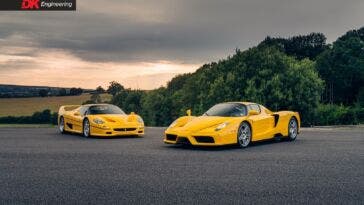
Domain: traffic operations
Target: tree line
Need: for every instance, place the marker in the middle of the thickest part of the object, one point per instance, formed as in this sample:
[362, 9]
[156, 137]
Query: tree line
[19, 91]
[324, 82]
[61, 92]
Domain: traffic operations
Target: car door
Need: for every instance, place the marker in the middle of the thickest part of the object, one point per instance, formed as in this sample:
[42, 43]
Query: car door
[262, 123]
[78, 117]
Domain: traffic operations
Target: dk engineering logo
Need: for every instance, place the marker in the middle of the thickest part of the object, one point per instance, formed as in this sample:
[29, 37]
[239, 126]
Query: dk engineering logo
[30, 4]
[36, 5]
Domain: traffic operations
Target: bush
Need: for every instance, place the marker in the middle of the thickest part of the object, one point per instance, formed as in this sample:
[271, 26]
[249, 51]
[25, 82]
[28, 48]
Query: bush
[330, 114]
[44, 117]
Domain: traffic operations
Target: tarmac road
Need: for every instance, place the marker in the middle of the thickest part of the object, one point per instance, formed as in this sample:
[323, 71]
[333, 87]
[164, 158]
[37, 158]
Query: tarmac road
[40, 166]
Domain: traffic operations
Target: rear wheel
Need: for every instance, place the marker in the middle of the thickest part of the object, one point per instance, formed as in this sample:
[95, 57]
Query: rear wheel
[86, 128]
[292, 129]
[244, 135]
[61, 125]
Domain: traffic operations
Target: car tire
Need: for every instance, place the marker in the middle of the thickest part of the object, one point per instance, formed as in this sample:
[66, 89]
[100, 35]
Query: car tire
[61, 125]
[292, 129]
[86, 128]
[244, 135]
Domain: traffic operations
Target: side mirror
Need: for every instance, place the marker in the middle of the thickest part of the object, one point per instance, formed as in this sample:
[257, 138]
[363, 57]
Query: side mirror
[252, 112]
[132, 113]
[77, 114]
[189, 112]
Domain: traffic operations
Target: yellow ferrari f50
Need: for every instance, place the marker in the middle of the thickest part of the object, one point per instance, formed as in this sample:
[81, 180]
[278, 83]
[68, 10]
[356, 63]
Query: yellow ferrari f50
[233, 123]
[102, 120]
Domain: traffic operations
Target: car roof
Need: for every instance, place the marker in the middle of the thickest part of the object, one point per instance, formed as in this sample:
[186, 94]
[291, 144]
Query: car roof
[89, 105]
[244, 103]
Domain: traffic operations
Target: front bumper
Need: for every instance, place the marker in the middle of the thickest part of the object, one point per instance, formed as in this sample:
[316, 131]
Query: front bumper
[208, 139]
[113, 132]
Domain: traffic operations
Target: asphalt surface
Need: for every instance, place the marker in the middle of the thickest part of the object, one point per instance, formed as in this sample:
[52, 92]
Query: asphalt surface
[40, 166]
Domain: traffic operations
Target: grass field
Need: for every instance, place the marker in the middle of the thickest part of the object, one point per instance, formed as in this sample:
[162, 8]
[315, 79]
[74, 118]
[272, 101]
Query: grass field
[27, 106]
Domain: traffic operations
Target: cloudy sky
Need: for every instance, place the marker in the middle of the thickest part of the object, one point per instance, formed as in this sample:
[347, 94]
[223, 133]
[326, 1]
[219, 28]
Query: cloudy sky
[144, 43]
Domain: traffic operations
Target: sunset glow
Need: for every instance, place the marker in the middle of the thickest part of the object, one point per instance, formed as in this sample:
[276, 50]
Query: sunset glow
[61, 69]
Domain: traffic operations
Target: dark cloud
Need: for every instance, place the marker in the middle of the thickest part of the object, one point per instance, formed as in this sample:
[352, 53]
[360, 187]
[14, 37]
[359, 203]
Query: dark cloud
[193, 31]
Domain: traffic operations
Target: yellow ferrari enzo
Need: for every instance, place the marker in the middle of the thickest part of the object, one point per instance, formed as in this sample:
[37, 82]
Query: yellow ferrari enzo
[233, 123]
[99, 120]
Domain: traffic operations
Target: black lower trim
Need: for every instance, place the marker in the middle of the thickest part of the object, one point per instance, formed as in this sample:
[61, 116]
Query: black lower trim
[124, 129]
[183, 140]
[70, 125]
[204, 139]
[171, 137]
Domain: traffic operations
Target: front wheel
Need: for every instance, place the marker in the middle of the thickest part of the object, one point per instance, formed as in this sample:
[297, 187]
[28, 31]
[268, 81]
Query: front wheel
[244, 135]
[61, 125]
[292, 129]
[86, 128]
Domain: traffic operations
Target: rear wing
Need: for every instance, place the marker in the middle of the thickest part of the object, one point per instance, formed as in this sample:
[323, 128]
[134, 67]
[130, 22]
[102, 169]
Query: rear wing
[66, 108]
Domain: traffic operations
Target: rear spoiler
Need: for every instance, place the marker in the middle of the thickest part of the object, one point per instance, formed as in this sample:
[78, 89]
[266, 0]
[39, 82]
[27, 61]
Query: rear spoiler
[65, 108]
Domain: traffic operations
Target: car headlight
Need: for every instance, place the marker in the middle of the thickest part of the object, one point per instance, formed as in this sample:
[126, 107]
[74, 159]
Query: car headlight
[221, 126]
[174, 123]
[98, 121]
[140, 120]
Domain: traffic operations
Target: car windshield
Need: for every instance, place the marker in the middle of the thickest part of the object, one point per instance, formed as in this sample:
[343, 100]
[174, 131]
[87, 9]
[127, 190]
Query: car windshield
[227, 110]
[105, 109]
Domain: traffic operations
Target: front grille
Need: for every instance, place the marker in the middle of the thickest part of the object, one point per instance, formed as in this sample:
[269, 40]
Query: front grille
[204, 139]
[124, 129]
[171, 137]
[183, 140]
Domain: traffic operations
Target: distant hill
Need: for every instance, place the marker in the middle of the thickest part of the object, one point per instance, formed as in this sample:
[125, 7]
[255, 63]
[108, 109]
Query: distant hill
[27, 106]
[16, 91]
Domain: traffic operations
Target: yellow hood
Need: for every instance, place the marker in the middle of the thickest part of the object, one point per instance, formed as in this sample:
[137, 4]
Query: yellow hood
[119, 119]
[203, 122]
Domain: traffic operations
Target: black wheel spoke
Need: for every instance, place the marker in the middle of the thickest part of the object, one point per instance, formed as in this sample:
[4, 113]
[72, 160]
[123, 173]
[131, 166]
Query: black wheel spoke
[244, 135]
[86, 128]
[292, 129]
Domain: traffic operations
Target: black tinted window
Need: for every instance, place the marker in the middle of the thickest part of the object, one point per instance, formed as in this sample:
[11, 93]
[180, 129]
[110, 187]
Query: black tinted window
[227, 110]
[104, 109]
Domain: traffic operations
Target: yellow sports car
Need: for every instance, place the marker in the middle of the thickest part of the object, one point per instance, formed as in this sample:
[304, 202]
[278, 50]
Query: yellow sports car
[101, 120]
[233, 123]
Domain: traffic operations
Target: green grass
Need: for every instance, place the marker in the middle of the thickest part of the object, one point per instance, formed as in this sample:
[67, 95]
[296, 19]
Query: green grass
[27, 106]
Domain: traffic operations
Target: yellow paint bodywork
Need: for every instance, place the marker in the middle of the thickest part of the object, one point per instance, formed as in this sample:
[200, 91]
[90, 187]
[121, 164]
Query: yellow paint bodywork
[114, 124]
[264, 126]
